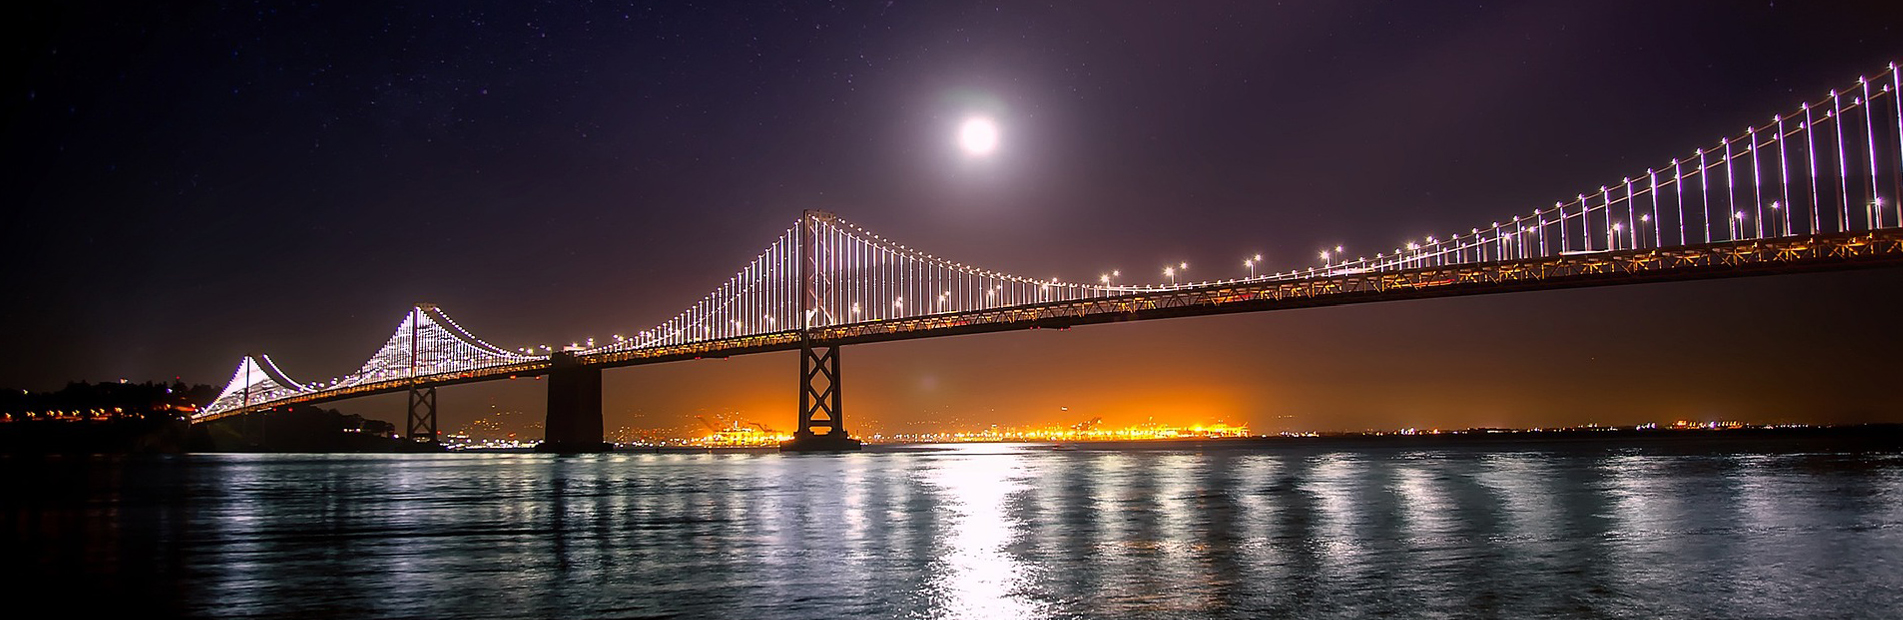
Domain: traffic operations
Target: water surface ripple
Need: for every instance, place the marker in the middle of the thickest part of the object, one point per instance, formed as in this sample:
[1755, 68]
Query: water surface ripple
[1759, 529]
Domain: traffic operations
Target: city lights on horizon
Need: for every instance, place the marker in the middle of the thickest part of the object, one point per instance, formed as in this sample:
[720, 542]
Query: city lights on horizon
[744, 436]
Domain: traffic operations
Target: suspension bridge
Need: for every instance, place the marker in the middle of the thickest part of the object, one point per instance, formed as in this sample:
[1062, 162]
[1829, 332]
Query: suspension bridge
[1816, 188]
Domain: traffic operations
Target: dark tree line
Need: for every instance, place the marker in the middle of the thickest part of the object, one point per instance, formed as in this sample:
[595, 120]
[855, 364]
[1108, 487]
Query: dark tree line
[121, 418]
[295, 428]
[147, 401]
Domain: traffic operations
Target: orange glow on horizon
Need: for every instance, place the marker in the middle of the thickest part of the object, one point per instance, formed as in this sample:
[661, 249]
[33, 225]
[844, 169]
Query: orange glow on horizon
[1072, 433]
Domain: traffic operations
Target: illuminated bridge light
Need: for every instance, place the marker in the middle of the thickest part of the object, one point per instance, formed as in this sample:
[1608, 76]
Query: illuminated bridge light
[1826, 171]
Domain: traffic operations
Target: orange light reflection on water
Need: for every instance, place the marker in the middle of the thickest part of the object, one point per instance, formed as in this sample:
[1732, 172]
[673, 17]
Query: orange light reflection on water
[1140, 432]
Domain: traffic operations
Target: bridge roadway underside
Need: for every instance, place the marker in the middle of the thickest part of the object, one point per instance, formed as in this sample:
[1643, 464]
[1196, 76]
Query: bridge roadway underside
[575, 382]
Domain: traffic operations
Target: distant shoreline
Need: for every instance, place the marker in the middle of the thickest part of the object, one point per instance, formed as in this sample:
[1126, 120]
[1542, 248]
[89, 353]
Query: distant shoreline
[1877, 434]
[1880, 436]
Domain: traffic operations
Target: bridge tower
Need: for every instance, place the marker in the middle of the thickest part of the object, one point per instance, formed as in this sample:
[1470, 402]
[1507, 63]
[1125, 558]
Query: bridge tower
[422, 410]
[573, 425]
[422, 419]
[822, 426]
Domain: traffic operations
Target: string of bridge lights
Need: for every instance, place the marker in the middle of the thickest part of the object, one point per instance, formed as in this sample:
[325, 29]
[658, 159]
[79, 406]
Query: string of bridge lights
[861, 276]
[1565, 228]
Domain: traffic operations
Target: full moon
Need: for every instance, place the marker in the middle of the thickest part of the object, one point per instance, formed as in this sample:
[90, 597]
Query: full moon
[978, 136]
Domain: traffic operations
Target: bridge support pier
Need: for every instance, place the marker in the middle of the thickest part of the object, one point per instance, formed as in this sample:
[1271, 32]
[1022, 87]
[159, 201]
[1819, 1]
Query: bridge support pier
[821, 427]
[574, 408]
[422, 419]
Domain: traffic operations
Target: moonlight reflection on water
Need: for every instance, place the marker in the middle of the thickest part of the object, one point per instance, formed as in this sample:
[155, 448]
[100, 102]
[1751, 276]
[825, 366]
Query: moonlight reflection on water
[1768, 528]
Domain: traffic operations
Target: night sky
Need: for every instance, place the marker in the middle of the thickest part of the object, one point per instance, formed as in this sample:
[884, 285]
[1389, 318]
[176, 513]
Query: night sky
[190, 182]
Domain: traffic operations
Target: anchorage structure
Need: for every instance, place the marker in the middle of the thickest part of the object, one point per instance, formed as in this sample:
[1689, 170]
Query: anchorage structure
[1814, 188]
